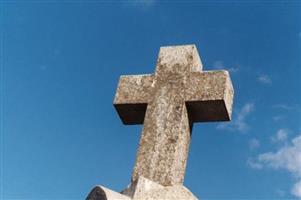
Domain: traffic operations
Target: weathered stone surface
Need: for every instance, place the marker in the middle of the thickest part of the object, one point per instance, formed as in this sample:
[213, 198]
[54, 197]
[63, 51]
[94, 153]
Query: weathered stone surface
[212, 97]
[145, 189]
[132, 96]
[168, 102]
[141, 186]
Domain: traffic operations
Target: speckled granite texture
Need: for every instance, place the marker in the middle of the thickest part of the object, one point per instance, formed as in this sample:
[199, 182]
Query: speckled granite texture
[167, 103]
[145, 189]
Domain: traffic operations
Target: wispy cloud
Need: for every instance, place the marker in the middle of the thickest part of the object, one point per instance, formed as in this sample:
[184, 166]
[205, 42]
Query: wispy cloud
[265, 79]
[287, 107]
[142, 4]
[254, 144]
[283, 106]
[280, 136]
[288, 157]
[239, 121]
[219, 64]
[277, 118]
[280, 193]
[254, 164]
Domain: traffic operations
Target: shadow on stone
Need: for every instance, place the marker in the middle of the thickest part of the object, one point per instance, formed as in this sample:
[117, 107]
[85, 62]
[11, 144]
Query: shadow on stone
[97, 193]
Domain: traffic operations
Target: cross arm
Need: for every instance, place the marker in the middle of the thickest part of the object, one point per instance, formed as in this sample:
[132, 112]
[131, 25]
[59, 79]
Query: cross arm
[209, 96]
[132, 95]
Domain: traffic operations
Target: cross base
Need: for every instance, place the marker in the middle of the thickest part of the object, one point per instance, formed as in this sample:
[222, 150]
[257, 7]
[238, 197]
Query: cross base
[142, 189]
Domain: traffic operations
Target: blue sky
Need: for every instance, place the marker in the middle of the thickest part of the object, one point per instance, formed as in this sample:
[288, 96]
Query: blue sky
[60, 64]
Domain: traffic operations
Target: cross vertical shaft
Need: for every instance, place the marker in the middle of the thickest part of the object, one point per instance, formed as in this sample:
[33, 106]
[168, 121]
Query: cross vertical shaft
[166, 135]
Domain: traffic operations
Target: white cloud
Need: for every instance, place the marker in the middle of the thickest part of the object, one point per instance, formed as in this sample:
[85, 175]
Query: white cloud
[239, 121]
[265, 79]
[288, 157]
[297, 189]
[254, 144]
[280, 136]
[218, 64]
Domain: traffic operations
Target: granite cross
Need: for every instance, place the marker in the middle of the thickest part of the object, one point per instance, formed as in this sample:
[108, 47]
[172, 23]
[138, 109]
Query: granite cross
[167, 103]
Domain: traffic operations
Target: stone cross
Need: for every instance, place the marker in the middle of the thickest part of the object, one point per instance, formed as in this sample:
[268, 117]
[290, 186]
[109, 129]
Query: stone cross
[167, 103]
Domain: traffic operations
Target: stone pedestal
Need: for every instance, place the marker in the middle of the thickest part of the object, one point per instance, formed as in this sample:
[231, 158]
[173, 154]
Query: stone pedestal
[143, 189]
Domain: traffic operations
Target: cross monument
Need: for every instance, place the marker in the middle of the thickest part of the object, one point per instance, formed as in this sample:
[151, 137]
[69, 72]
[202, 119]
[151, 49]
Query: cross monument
[167, 103]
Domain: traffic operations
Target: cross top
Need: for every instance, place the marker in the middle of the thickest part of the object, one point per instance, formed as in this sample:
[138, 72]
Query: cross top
[180, 60]
[167, 103]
